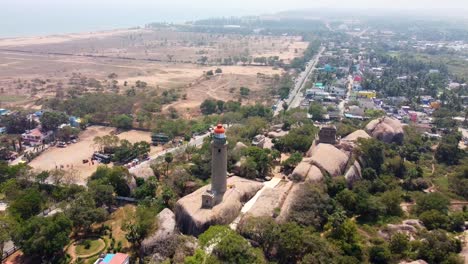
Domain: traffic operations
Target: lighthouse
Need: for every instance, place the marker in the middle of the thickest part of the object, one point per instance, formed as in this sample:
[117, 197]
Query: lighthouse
[215, 195]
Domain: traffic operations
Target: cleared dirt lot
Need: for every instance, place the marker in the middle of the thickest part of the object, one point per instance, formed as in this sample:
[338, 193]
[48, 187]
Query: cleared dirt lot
[38, 67]
[70, 158]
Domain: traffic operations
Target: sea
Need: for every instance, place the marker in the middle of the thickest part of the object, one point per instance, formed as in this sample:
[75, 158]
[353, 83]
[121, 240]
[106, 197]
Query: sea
[23, 22]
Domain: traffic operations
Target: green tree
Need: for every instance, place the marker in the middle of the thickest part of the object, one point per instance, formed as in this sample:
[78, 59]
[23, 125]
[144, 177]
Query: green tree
[372, 152]
[26, 205]
[379, 254]
[65, 133]
[434, 219]
[139, 225]
[208, 107]
[317, 111]
[399, 243]
[17, 123]
[122, 121]
[437, 246]
[43, 236]
[291, 163]
[52, 120]
[244, 91]
[117, 177]
[228, 246]
[83, 213]
[432, 201]
[313, 209]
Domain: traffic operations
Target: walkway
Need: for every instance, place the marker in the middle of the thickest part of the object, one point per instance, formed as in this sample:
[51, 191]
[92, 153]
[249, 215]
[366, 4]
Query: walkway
[247, 206]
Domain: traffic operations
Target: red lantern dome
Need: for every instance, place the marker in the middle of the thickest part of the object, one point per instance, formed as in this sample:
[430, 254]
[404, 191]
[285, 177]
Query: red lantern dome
[219, 129]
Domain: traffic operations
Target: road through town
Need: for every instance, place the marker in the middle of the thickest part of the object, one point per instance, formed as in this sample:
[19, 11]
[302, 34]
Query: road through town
[295, 96]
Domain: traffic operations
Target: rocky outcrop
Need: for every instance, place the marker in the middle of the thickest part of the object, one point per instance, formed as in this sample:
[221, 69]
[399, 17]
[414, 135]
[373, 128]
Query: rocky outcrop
[270, 200]
[353, 137]
[353, 174]
[386, 129]
[330, 159]
[314, 175]
[238, 147]
[288, 203]
[166, 232]
[192, 219]
[300, 172]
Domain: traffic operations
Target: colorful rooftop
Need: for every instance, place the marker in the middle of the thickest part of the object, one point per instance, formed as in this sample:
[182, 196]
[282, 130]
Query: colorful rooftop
[118, 258]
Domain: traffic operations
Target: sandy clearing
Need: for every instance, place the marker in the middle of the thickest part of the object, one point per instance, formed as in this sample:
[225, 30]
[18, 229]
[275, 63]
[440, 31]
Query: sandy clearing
[53, 39]
[71, 157]
[136, 136]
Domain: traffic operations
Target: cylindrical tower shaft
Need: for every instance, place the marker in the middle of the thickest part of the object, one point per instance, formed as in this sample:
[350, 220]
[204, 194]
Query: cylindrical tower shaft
[218, 167]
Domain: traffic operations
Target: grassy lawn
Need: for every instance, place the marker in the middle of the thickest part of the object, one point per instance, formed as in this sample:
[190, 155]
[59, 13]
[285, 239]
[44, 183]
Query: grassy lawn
[116, 220]
[2, 196]
[96, 245]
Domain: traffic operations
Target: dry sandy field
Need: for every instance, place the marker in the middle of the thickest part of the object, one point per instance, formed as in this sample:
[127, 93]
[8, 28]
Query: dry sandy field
[70, 158]
[31, 68]
[161, 44]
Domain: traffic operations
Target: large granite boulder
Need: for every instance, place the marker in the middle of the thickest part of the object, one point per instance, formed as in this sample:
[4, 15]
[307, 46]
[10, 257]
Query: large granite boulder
[192, 219]
[270, 200]
[314, 175]
[330, 159]
[300, 172]
[386, 129]
[353, 137]
[159, 241]
[353, 174]
[289, 202]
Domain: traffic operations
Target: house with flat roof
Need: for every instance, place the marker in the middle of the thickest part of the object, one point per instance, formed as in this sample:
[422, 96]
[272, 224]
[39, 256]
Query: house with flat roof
[118, 258]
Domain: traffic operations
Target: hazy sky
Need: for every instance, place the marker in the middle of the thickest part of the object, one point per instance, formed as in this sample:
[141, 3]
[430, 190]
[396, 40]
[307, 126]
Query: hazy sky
[238, 5]
[39, 17]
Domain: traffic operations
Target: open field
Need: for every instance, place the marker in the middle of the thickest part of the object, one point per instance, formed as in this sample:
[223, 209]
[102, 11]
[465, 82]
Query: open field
[162, 44]
[42, 67]
[70, 158]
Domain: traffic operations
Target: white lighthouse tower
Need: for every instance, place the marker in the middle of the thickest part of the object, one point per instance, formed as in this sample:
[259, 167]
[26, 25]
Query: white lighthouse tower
[218, 169]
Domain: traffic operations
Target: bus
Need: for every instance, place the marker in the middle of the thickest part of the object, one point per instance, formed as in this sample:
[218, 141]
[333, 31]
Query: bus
[159, 138]
[103, 158]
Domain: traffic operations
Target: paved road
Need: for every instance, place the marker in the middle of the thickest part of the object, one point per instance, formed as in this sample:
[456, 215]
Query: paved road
[341, 106]
[296, 96]
[144, 168]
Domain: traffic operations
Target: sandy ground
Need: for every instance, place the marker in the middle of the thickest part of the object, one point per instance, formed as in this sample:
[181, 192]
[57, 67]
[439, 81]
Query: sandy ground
[136, 136]
[72, 156]
[53, 39]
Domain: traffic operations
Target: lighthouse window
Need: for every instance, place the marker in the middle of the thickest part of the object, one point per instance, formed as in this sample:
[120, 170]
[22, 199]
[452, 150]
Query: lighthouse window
[219, 150]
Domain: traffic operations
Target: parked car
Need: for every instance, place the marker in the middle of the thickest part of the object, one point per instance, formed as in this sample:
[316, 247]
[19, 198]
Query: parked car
[62, 145]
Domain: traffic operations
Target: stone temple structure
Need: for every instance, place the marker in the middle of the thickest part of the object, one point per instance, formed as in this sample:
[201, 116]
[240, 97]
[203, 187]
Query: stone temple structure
[215, 195]
[327, 135]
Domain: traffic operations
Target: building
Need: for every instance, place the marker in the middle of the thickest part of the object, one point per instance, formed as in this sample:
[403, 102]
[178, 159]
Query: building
[368, 94]
[327, 135]
[218, 169]
[36, 137]
[118, 258]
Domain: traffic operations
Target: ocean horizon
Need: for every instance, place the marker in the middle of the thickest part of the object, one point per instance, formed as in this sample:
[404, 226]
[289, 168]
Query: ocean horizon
[28, 23]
